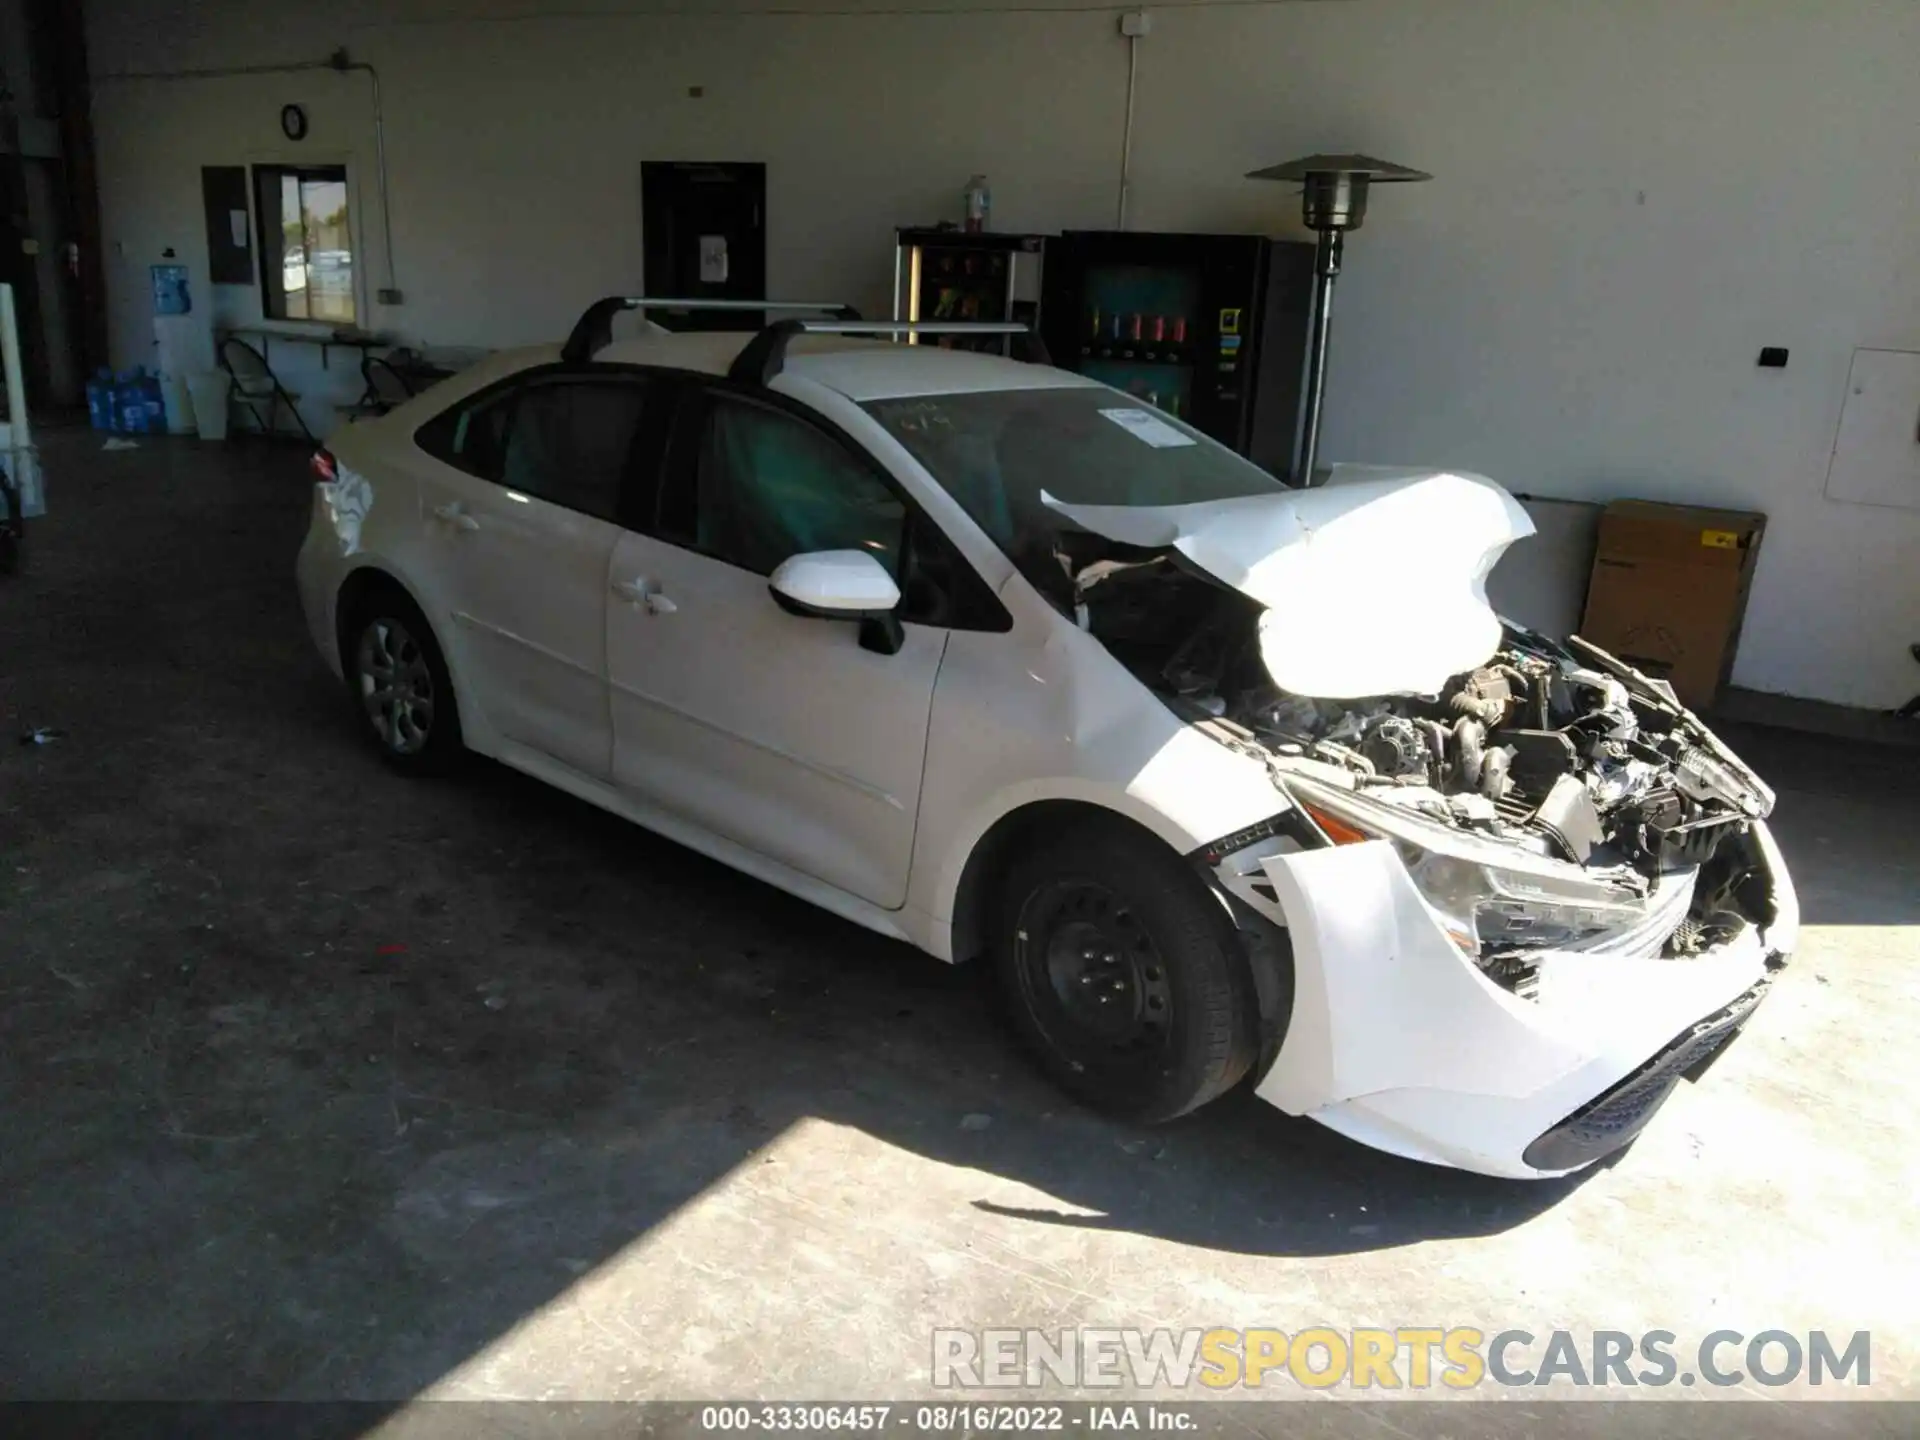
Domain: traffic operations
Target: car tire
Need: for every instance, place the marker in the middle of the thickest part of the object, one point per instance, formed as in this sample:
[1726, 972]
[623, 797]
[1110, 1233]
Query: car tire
[398, 682]
[1123, 974]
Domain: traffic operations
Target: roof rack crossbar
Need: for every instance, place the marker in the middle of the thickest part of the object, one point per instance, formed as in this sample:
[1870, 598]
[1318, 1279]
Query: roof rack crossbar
[594, 329]
[765, 355]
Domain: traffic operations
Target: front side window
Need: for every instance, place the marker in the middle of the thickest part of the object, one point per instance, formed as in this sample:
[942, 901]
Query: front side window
[768, 487]
[306, 244]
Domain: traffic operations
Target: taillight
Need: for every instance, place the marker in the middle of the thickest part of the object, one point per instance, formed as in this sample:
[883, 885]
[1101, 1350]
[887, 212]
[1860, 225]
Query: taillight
[324, 469]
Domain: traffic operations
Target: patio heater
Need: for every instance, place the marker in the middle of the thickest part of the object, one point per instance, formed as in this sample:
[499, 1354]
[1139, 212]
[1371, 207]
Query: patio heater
[1333, 201]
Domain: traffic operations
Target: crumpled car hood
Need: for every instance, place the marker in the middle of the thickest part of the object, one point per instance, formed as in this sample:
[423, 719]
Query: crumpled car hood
[1372, 586]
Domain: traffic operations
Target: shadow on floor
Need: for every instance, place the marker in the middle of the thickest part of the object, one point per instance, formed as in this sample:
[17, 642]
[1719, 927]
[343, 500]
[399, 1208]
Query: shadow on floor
[1844, 820]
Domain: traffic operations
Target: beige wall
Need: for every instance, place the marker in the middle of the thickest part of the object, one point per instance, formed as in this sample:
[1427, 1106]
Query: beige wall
[1631, 199]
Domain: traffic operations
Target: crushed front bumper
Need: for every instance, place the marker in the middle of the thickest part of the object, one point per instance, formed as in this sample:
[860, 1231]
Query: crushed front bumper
[1399, 1041]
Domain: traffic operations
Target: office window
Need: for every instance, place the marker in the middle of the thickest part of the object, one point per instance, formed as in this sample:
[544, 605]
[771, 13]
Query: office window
[306, 244]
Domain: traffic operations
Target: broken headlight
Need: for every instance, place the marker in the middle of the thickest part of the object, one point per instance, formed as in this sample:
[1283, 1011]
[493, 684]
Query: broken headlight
[1487, 910]
[1487, 904]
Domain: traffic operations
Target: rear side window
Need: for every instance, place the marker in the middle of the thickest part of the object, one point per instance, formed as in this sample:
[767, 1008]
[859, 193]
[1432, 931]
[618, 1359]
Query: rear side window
[569, 440]
[472, 436]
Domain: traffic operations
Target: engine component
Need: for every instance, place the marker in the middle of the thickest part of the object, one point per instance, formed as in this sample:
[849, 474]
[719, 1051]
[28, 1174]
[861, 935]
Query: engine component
[1570, 820]
[1687, 842]
[1469, 751]
[1665, 828]
[1270, 708]
[1198, 666]
[1394, 746]
[1540, 757]
[1494, 783]
[1486, 696]
[1612, 782]
[1564, 752]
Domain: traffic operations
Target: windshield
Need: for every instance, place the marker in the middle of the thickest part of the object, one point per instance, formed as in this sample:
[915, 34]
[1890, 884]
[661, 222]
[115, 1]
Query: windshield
[994, 451]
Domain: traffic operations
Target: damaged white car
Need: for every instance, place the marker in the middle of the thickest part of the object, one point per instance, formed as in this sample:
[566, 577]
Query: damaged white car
[1231, 783]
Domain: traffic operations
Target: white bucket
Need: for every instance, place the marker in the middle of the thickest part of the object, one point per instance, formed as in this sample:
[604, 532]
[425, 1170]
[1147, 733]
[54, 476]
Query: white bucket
[183, 346]
[209, 392]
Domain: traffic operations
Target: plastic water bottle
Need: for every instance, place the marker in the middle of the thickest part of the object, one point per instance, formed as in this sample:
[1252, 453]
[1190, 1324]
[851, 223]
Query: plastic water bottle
[979, 204]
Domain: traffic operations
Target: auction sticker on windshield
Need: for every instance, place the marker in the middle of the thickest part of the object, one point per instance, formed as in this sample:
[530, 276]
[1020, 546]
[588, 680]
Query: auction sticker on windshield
[1144, 425]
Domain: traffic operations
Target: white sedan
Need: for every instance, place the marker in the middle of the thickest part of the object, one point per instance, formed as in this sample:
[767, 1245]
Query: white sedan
[1230, 783]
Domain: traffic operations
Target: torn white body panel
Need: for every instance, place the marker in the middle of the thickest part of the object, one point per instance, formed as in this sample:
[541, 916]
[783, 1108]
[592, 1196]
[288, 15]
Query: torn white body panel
[1372, 587]
[348, 498]
[1401, 1042]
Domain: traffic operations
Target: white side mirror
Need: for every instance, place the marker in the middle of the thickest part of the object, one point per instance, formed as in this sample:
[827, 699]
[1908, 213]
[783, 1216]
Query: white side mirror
[835, 585]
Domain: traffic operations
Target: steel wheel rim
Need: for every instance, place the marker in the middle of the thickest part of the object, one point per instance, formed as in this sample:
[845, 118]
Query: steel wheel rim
[396, 686]
[1093, 979]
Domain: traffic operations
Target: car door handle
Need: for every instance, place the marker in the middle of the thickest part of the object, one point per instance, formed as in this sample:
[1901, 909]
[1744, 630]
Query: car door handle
[455, 514]
[644, 592]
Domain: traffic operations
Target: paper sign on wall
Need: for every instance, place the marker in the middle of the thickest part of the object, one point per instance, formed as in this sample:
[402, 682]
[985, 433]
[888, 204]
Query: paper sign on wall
[1145, 425]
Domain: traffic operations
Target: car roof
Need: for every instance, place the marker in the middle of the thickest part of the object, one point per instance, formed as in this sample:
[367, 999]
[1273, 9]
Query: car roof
[860, 369]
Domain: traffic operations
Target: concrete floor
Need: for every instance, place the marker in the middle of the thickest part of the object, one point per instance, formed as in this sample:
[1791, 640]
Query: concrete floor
[316, 1083]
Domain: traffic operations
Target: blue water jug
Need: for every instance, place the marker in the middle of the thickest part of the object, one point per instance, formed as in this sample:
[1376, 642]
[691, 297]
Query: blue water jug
[129, 404]
[100, 399]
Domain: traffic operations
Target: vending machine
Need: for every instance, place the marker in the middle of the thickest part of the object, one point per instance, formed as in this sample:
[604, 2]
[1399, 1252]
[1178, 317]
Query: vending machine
[1211, 328]
[943, 274]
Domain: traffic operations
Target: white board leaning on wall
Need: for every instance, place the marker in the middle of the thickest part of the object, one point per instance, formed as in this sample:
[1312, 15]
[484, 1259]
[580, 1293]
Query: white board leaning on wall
[16, 439]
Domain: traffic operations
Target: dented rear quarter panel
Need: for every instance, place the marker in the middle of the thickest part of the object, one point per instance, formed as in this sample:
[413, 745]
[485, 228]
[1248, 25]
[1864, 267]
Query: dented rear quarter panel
[391, 541]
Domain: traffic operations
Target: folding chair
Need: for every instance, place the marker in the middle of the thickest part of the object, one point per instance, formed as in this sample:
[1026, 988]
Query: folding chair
[254, 384]
[386, 386]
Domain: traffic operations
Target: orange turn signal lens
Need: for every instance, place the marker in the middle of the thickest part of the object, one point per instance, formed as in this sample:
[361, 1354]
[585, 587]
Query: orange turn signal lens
[1337, 830]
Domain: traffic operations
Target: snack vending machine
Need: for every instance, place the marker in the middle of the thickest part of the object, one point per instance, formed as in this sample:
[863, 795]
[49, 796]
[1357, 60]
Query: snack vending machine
[1211, 328]
[941, 274]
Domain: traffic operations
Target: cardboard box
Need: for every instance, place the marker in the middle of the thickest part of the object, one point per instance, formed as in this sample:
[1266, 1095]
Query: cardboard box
[1669, 591]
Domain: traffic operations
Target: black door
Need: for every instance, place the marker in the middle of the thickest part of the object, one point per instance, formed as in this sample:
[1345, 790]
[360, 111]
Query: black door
[706, 238]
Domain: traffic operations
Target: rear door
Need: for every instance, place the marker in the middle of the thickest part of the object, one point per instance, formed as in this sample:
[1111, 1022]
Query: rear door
[521, 513]
[779, 732]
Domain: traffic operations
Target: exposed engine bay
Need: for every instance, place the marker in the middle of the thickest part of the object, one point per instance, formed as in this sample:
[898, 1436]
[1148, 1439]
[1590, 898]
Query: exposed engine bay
[1558, 752]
